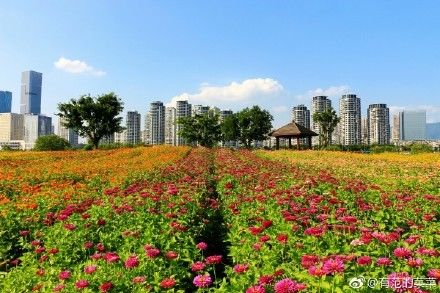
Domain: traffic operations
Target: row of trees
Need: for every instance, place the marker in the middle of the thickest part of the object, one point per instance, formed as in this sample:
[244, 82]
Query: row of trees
[95, 118]
[246, 126]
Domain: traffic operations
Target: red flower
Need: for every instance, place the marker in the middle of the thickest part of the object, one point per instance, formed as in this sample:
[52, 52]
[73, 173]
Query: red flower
[131, 262]
[383, 261]
[90, 269]
[171, 255]
[364, 260]
[168, 283]
[256, 289]
[202, 246]
[282, 238]
[197, 266]
[153, 252]
[64, 275]
[309, 260]
[265, 280]
[241, 268]
[111, 257]
[402, 252]
[139, 279]
[214, 259]
[81, 284]
[106, 286]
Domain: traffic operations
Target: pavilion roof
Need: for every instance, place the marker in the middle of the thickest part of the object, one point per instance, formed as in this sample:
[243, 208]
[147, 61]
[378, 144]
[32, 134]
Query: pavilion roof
[293, 129]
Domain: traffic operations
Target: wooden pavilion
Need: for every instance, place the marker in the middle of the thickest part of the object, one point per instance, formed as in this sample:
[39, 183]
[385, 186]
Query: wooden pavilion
[293, 130]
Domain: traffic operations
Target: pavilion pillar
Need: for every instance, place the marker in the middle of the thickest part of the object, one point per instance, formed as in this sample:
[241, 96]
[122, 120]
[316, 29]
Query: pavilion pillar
[297, 142]
[290, 142]
[278, 143]
[310, 142]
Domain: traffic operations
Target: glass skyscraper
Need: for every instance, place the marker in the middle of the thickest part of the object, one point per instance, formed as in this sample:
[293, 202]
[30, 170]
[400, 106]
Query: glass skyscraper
[31, 92]
[413, 125]
[5, 102]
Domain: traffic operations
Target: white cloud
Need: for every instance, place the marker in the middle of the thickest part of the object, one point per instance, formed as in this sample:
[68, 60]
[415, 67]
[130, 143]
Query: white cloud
[77, 67]
[332, 91]
[233, 92]
[432, 112]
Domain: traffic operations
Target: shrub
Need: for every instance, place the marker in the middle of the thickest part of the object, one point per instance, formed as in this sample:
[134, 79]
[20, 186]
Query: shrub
[51, 143]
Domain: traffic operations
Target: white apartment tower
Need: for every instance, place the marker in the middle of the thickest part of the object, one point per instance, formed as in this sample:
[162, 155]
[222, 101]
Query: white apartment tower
[350, 114]
[11, 127]
[199, 110]
[155, 124]
[319, 104]
[133, 127]
[170, 126]
[183, 109]
[378, 124]
[301, 115]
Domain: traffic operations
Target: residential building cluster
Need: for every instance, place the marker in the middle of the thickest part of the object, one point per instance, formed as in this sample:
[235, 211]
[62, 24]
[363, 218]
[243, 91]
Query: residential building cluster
[21, 130]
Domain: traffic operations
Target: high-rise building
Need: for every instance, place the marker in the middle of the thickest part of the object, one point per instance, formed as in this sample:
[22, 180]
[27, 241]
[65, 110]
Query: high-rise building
[301, 115]
[378, 124]
[413, 125]
[155, 124]
[396, 128]
[199, 110]
[67, 133]
[319, 104]
[11, 127]
[364, 130]
[5, 102]
[133, 127]
[34, 127]
[350, 114]
[183, 109]
[170, 125]
[31, 92]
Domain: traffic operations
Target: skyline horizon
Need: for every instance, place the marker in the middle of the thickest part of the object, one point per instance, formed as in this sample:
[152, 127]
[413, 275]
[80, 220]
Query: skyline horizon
[231, 53]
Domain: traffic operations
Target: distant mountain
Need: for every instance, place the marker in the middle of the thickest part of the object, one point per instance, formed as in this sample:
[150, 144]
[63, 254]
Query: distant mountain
[433, 130]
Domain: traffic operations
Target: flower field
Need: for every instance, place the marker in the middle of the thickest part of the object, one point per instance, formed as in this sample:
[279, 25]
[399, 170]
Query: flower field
[198, 220]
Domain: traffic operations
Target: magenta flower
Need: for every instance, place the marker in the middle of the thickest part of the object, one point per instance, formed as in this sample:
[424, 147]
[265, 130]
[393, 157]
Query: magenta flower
[111, 257]
[197, 266]
[153, 252]
[131, 262]
[241, 268]
[214, 259]
[288, 286]
[81, 284]
[333, 266]
[265, 280]
[364, 260]
[64, 275]
[383, 261]
[90, 269]
[400, 282]
[256, 289]
[415, 262]
[202, 246]
[402, 252]
[202, 281]
[434, 273]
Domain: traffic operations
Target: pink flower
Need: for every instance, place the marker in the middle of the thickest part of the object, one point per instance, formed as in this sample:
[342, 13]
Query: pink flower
[202, 246]
[265, 280]
[88, 245]
[383, 261]
[256, 289]
[111, 257]
[202, 281]
[153, 252]
[402, 252]
[214, 259]
[415, 262]
[288, 286]
[81, 284]
[90, 269]
[364, 260]
[139, 279]
[59, 288]
[132, 262]
[64, 275]
[332, 266]
[171, 255]
[168, 283]
[100, 247]
[106, 286]
[316, 271]
[241, 268]
[434, 273]
[197, 266]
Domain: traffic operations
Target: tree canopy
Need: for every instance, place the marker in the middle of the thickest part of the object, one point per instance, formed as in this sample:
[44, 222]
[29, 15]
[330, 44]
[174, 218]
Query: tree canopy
[327, 121]
[203, 129]
[92, 117]
[248, 125]
[51, 143]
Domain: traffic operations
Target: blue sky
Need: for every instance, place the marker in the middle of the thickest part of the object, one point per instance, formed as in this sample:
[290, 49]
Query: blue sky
[230, 53]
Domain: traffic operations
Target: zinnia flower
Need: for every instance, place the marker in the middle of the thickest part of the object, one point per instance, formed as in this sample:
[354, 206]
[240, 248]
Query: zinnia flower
[241, 268]
[288, 286]
[139, 279]
[197, 266]
[171, 255]
[400, 282]
[364, 260]
[202, 246]
[64, 275]
[81, 284]
[90, 269]
[332, 266]
[256, 289]
[111, 257]
[168, 283]
[202, 281]
[383, 261]
[106, 286]
[132, 262]
[214, 259]
[153, 252]
[434, 273]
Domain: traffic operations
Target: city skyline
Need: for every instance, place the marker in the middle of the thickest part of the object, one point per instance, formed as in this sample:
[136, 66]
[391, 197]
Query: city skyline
[269, 54]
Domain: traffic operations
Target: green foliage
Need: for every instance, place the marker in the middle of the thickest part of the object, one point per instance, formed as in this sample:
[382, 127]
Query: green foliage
[6, 148]
[417, 148]
[91, 117]
[51, 143]
[201, 129]
[327, 121]
[383, 149]
[247, 126]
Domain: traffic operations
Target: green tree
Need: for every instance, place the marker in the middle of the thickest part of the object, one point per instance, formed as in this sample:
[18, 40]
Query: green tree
[91, 117]
[51, 143]
[201, 129]
[248, 125]
[327, 121]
